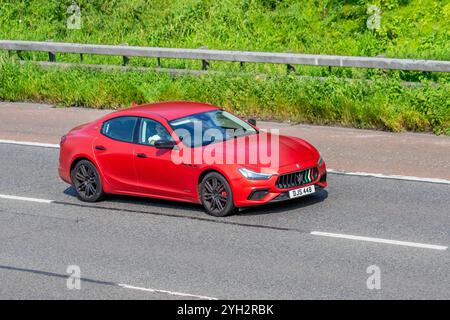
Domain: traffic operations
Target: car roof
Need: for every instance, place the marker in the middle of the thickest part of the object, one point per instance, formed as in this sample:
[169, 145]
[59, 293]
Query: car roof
[171, 110]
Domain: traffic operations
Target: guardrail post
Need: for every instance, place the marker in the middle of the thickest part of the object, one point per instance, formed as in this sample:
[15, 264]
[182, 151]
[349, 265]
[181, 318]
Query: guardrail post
[81, 57]
[289, 67]
[205, 63]
[51, 57]
[158, 62]
[126, 59]
[241, 65]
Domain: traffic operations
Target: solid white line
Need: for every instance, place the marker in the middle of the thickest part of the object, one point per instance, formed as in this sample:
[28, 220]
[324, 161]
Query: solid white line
[378, 240]
[386, 176]
[333, 171]
[32, 144]
[4, 196]
[173, 293]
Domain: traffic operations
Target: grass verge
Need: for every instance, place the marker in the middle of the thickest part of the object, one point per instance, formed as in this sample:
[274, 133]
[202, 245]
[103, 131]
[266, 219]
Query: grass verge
[379, 104]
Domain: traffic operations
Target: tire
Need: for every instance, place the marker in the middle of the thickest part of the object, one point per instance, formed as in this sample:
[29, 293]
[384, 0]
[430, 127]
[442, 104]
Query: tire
[216, 195]
[86, 181]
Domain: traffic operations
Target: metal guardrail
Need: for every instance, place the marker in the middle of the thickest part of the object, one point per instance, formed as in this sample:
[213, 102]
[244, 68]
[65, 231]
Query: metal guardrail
[206, 55]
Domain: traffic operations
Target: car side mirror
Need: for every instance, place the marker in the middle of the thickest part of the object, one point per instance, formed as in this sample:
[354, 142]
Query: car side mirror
[165, 144]
[252, 122]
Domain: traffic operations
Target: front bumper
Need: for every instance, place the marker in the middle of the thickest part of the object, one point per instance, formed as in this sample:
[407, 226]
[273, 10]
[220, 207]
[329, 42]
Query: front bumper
[257, 192]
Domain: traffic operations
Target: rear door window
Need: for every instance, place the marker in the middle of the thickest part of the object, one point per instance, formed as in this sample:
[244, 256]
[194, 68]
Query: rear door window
[121, 128]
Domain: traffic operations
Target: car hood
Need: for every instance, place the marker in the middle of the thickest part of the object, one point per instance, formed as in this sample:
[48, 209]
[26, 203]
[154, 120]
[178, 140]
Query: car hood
[269, 153]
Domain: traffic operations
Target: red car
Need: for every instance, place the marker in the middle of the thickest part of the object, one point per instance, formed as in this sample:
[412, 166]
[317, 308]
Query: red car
[190, 152]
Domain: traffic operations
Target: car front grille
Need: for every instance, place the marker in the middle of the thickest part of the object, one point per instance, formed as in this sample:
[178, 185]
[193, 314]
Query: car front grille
[297, 179]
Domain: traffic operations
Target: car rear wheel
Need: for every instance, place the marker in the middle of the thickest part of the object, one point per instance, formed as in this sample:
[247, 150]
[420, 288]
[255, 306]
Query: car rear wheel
[86, 180]
[216, 195]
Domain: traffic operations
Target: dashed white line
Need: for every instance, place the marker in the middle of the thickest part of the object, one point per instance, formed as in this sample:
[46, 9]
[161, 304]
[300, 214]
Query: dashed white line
[379, 240]
[173, 293]
[4, 196]
[31, 144]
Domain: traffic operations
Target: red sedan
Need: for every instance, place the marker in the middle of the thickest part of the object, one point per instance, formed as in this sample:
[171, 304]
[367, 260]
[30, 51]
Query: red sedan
[190, 152]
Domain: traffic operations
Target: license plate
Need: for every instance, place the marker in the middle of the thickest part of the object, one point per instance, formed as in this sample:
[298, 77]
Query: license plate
[302, 192]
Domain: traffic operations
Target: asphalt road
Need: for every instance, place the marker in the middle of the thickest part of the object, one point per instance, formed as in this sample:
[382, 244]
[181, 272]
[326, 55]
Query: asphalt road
[261, 253]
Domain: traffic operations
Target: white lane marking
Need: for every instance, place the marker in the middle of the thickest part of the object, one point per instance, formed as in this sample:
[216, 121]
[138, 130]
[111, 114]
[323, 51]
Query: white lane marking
[378, 240]
[4, 196]
[349, 173]
[32, 144]
[386, 176]
[173, 293]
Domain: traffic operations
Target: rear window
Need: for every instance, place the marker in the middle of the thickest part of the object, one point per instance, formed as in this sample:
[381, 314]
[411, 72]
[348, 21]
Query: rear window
[121, 128]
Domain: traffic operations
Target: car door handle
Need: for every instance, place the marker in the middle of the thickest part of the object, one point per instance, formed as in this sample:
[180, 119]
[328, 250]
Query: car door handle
[100, 148]
[189, 165]
[141, 155]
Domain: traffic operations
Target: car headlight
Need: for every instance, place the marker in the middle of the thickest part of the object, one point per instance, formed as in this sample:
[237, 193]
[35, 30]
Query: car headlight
[252, 175]
[320, 162]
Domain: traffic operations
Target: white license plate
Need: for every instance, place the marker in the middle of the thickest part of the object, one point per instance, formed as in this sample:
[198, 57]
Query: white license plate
[302, 192]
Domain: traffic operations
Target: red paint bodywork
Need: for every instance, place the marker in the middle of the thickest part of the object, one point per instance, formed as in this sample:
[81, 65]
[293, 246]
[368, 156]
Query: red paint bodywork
[157, 176]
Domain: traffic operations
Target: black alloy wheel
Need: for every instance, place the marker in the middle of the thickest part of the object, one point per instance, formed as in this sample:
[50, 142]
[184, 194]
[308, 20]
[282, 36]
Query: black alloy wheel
[86, 180]
[216, 195]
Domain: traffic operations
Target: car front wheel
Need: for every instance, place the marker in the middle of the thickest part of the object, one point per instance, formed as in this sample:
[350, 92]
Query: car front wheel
[216, 195]
[86, 180]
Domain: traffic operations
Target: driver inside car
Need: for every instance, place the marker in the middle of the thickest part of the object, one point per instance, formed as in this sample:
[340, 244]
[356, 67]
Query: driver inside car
[161, 134]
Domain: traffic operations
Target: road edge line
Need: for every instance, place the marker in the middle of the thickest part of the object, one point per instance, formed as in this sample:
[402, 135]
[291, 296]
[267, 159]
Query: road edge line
[30, 144]
[8, 197]
[389, 176]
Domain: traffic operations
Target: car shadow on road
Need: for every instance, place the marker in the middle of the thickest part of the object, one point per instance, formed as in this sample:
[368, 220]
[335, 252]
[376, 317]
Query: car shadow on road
[135, 200]
[265, 209]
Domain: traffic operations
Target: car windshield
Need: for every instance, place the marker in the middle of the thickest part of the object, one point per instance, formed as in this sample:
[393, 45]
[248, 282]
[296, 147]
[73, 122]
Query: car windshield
[205, 128]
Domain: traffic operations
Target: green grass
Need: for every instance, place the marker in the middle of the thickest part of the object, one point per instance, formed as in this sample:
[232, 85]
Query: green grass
[382, 104]
[409, 29]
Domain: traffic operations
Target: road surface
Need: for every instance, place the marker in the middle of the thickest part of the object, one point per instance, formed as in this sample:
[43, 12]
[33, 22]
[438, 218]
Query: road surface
[318, 247]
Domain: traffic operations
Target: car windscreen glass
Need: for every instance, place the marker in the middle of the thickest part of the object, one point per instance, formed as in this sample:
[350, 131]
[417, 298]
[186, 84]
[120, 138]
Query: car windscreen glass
[121, 128]
[204, 128]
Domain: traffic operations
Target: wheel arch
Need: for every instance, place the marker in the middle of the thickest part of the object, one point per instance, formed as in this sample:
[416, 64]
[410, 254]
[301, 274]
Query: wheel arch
[81, 157]
[209, 170]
